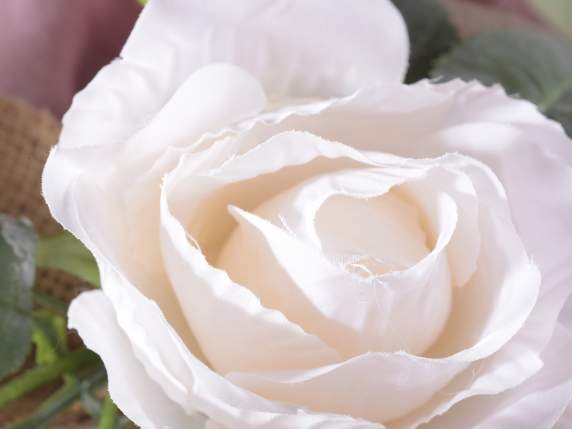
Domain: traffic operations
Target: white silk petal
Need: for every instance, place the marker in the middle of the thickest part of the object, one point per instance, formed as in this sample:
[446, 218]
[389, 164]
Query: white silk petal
[118, 202]
[376, 386]
[205, 183]
[174, 38]
[407, 115]
[150, 346]
[510, 365]
[506, 369]
[198, 197]
[317, 294]
[529, 153]
[448, 177]
[537, 185]
[233, 340]
[137, 395]
[538, 403]
[504, 290]
[352, 314]
[370, 236]
[298, 208]
[214, 96]
[517, 322]
[210, 99]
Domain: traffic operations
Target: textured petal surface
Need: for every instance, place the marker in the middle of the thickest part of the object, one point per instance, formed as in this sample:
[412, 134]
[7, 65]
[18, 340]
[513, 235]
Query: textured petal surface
[138, 396]
[378, 387]
[150, 346]
[173, 38]
[538, 403]
[233, 340]
[112, 195]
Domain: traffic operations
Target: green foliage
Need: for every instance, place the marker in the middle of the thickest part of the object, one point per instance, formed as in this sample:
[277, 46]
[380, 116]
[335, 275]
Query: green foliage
[49, 337]
[44, 374]
[109, 414]
[17, 272]
[530, 65]
[431, 34]
[60, 401]
[66, 253]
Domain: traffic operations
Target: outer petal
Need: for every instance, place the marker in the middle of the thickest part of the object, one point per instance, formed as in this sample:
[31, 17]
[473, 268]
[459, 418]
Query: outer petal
[281, 42]
[159, 353]
[119, 201]
[376, 386]
[138, 396]
[538, 403]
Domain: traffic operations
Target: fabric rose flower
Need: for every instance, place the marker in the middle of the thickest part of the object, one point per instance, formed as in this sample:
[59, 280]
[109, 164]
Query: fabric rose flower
[289, 237]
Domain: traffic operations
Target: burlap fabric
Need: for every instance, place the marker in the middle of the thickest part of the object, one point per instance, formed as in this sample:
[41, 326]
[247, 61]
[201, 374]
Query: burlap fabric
[26, 136]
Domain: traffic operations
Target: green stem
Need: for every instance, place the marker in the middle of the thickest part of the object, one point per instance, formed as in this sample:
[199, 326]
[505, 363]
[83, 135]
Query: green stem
[59, 401]
[44, 374]
[50, 303]
[109, 414]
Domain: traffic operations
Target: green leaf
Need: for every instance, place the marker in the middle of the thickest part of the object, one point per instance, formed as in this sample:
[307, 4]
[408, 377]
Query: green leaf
[530, 65]
[17, 271]
[142, 2]
[49, 336]
[66, 253]
[556, 12]
[431, 34]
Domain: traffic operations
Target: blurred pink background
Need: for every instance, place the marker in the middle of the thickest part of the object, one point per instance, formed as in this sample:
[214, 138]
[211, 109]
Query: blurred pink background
[51, 49]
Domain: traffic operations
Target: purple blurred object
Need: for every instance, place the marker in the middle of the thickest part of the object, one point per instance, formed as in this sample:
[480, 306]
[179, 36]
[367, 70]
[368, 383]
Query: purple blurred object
[51, 49]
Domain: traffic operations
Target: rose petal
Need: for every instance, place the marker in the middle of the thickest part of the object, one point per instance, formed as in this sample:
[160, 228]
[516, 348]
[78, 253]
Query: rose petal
[229, 173]
[233, 340]
[378, 235]
[198, 197]
[145, 338]
[546, 180]
[187, 34]
[389, 385]
[112, 194]
[351, 314]
[537, 403]
[139, 397]
[290, 279]
[173, 39]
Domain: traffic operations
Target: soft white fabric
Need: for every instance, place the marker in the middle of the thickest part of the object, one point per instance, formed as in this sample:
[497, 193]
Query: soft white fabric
[288, 237]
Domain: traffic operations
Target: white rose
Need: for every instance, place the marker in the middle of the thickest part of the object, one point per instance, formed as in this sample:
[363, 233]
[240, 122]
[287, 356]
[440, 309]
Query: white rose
[289, 237]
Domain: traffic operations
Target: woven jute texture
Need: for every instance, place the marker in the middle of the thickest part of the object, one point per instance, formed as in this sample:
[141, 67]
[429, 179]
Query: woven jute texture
[26, 136]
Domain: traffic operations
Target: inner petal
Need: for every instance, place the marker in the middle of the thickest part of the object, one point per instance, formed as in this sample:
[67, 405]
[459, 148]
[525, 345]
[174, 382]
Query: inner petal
[284, 253]
[370, 237]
